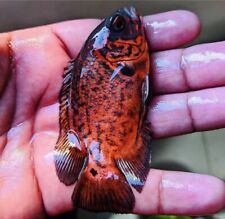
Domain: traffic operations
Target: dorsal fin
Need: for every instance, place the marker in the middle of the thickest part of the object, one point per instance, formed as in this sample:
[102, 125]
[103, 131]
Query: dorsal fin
[65, 97]
[69, 154]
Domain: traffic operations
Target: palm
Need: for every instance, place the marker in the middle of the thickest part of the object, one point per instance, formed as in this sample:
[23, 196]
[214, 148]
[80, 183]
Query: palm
[29, 87]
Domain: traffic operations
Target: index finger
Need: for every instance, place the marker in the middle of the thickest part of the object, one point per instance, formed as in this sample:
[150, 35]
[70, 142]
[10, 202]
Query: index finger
[164, 31]
[171, 29]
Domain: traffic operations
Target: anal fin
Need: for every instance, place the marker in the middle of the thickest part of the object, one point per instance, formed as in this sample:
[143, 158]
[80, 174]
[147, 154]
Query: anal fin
[135, 172]
[69, 158]
[136, 167]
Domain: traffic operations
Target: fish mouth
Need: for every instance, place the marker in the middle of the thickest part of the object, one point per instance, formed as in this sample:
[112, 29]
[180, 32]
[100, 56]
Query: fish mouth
[131, 12]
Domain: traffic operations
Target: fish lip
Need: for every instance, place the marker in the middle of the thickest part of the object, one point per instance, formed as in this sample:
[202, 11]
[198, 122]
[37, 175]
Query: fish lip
[130, 12]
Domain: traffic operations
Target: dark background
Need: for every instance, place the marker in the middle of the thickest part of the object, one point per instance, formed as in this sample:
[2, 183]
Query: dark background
[19, 14]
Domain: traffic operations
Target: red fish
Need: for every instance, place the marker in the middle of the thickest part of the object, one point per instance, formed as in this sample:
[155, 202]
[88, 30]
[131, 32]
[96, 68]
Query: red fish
[103, 143]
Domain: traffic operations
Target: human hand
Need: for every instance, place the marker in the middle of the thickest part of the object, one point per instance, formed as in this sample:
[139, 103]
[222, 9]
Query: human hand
[31, 65]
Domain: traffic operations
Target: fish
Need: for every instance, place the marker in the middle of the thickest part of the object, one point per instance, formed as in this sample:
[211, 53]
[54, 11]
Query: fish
[104, 139]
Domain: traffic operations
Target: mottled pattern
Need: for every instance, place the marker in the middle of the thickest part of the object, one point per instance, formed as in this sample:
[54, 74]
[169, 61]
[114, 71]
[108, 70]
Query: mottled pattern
[104, 141]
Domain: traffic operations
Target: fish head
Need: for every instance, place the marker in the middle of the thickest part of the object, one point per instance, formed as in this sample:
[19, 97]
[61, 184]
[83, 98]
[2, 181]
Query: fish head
[120, 41]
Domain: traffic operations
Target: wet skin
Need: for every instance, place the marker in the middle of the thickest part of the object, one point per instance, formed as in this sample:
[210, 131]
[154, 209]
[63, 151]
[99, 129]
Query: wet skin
[29, 114]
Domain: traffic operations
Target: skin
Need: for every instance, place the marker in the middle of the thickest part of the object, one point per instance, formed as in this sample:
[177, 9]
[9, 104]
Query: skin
[29, 87]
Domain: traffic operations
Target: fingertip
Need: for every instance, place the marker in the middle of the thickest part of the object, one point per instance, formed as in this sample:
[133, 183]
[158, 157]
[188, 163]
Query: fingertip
[216, 195]
[191, 193]
[171, 29]
[180, 193]
[194, 23]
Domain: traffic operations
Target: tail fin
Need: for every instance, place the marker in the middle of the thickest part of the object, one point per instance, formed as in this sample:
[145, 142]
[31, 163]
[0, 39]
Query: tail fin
[103, 194]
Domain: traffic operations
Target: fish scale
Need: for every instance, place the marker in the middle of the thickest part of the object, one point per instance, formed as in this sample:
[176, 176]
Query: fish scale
[103, 143]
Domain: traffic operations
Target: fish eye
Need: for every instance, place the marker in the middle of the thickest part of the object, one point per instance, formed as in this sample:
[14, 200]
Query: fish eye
[118, 23]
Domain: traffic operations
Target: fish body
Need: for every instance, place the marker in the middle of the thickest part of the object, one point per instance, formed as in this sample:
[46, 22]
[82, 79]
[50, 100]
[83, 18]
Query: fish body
[103, 143]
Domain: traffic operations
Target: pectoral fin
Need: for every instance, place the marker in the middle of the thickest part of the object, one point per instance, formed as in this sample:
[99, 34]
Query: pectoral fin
[69, 158]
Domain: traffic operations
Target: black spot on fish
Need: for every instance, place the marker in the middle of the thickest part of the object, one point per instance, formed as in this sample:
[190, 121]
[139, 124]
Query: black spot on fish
[117, 113]
[104, 51]
[127, 70]
[131, 113]
[95, 89]
[93, 172]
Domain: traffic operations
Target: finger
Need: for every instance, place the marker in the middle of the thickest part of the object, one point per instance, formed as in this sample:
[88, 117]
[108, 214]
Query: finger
[4, 62]
[194, 68]
[35, 68]
[171, 29]
[180, 193]
[164, 31]
[165, 192]
[176, 114]
[74, 33]
[17, 179]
